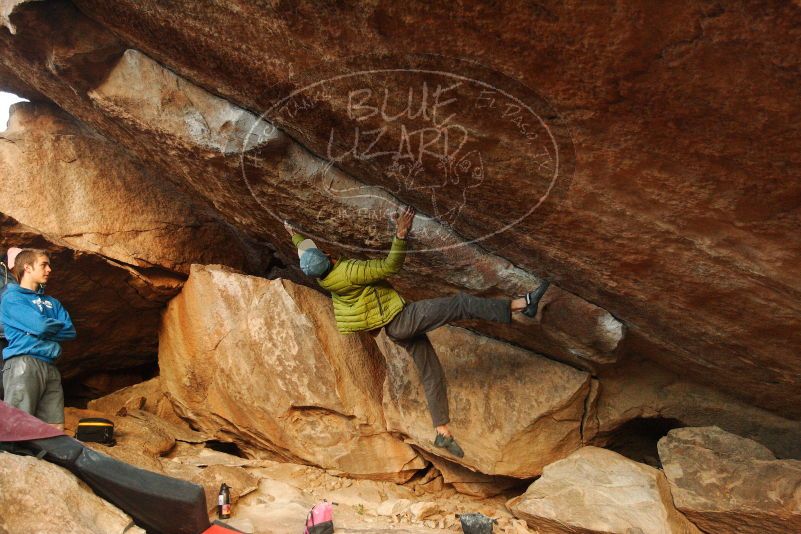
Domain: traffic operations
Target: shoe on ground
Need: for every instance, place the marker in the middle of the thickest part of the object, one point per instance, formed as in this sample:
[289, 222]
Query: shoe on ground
[449, 444]
[533, 299]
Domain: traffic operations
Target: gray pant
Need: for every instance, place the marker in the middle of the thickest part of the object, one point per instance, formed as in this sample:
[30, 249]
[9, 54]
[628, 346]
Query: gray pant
[34, 386]
[408, 330]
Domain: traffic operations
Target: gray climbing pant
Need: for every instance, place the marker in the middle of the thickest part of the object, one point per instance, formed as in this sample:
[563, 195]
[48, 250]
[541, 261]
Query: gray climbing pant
[408, 330]
[34, 386]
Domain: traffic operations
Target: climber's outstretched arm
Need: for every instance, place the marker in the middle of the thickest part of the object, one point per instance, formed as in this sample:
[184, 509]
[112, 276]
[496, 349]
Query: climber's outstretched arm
[371, 271]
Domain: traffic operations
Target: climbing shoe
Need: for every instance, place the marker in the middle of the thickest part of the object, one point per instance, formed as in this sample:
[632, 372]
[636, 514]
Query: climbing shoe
[449, 444]
[533, 299]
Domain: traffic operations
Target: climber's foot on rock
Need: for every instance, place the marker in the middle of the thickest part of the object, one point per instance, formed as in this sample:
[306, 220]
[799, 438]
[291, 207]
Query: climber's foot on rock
[533, 299]
[449, 444]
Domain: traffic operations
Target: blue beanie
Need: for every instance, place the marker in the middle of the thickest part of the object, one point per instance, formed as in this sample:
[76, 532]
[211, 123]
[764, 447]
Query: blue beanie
[314, 263]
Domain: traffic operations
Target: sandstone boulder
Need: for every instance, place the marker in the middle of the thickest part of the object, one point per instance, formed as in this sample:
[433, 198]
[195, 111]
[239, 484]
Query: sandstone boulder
[121, 236]
[260, 362]
[82, 191]
[512, 411]
[595, 491]
[725, 483]
[470, 482]
[37, 496]
[144, 94]
[646, 392]
[196, 137]
[211, 478]
[148, 396]
[139, 443]
[679, 218]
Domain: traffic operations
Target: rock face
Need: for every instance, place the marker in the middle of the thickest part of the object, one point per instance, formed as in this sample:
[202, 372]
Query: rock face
[192, 135]
[211, 479]
[513, 411]
[260, 362]
[595, 491]
[76, 188]
[144, 95]
[468, 481]
[678, 216]
[148, 396]
[646, 392]
[140, 442]
[645, 172]
[728, 484]
[61, 502]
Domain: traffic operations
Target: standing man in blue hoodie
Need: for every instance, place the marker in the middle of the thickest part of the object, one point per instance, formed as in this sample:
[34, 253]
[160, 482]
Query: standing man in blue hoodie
[34, 326]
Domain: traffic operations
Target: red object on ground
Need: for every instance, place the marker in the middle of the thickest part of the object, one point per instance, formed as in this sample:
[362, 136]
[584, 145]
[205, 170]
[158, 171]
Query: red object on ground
[220, 528]
[16, 425]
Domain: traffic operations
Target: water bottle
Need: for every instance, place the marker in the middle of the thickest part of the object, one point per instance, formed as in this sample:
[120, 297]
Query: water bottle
[224, 502]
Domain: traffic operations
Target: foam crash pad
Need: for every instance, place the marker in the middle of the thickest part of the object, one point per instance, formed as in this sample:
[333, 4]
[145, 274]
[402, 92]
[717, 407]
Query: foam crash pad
[156, 502]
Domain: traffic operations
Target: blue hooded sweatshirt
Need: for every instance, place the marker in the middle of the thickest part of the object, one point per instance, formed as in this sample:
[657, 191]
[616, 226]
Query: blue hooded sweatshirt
[34, 324]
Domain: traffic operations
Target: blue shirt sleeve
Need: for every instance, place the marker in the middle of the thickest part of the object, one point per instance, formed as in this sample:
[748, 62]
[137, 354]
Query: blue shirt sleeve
[67, 330]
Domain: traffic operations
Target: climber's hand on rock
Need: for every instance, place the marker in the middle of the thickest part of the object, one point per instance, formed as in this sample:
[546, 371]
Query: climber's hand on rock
[404, 222]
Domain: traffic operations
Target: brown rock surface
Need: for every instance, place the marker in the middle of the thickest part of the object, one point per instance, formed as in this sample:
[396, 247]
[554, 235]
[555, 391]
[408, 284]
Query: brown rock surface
[679, 216]
[595, 491]
[468, 481]
[11, 84]
[143, 94]
[512, 411]
[671, 207]
[171, 123]
[138, 442]
[211, 478]
[37, 496]
[287, 491]
[260, 362]
[81, 191]
[729, 484]
[148, 396]
[644, 391]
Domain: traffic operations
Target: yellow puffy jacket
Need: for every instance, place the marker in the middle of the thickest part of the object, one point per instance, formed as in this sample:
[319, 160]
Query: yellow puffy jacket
[363, 300]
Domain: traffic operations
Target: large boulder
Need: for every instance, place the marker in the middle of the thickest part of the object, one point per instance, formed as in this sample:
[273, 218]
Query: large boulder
[679, 217]
[148, 396]
[704, 280]
[37, 496]
[645, 394]
[145, 95]
[512, 411]
[470, 482]
[211, 479]
[80, 190]
[138, 442]
[596, 491]
[260, 362]
[255, 175]
[725, 483]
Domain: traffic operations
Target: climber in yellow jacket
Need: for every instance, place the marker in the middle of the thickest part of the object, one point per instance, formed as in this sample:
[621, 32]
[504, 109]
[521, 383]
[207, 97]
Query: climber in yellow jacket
[364, 300]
